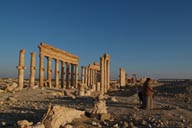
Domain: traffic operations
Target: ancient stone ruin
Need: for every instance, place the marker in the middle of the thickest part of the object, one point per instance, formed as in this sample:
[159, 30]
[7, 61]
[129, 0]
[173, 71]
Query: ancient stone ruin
[95, 76]
[21, 68]
[122, 77]
[68, 61]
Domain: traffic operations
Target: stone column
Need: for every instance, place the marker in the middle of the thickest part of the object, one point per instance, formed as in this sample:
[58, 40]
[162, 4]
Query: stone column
[76, 76]
[85, 76]
[105, 75]
[49, 71]
[102, 67]
[21, 68]
[98, 86]
[41, 70]
[82, 74]
[108, 74]
[81, 89]
[62, 74]
[56, 73]
[96, 80]
[88, 76]
[91, 77]
[122, 77]
[67, 75]
[72, 75]
[32, 70]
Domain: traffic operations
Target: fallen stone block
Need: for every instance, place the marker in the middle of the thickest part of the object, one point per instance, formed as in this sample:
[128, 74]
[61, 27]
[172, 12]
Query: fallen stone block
[58, 116]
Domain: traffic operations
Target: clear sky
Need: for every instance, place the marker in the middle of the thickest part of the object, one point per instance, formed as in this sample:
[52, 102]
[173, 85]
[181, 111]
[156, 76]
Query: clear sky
[150, 38]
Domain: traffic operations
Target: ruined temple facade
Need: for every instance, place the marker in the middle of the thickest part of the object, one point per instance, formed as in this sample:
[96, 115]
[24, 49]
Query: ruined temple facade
[97, 76]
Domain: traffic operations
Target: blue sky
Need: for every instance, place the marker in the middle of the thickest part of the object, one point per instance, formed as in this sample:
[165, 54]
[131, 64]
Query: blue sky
[152, 38]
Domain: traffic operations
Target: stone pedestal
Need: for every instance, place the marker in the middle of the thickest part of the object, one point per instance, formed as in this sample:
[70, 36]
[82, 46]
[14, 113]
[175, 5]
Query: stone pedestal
[99, 106]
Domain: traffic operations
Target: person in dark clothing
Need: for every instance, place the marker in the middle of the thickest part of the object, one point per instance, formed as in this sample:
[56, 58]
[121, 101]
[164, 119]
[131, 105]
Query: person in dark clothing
[147, 94]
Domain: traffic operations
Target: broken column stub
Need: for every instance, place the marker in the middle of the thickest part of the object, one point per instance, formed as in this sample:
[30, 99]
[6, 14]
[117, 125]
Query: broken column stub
[99, 105]
[81, 89]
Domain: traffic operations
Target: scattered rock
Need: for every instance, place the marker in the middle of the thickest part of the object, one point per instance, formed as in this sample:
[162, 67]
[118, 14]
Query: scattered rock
[38, 126]
[105, 116]
[24, 123]
[113, 99]
[12, 99]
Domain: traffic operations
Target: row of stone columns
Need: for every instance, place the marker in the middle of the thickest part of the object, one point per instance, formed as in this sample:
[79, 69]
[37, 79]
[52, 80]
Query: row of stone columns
[99, 77]
[65, 83]
[89, 76]
[21, 68]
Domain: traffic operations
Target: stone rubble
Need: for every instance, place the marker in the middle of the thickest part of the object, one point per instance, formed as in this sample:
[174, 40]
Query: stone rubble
[27, 106]
[57, 116]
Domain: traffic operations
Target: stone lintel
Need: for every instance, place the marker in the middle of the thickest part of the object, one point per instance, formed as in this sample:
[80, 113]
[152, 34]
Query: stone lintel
[56, 53]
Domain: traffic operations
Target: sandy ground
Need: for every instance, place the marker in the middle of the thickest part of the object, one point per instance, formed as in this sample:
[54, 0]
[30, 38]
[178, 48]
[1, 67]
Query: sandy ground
[172, 107]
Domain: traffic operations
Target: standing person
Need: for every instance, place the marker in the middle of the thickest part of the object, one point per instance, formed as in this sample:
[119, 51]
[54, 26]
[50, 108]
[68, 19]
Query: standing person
[147, 94]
